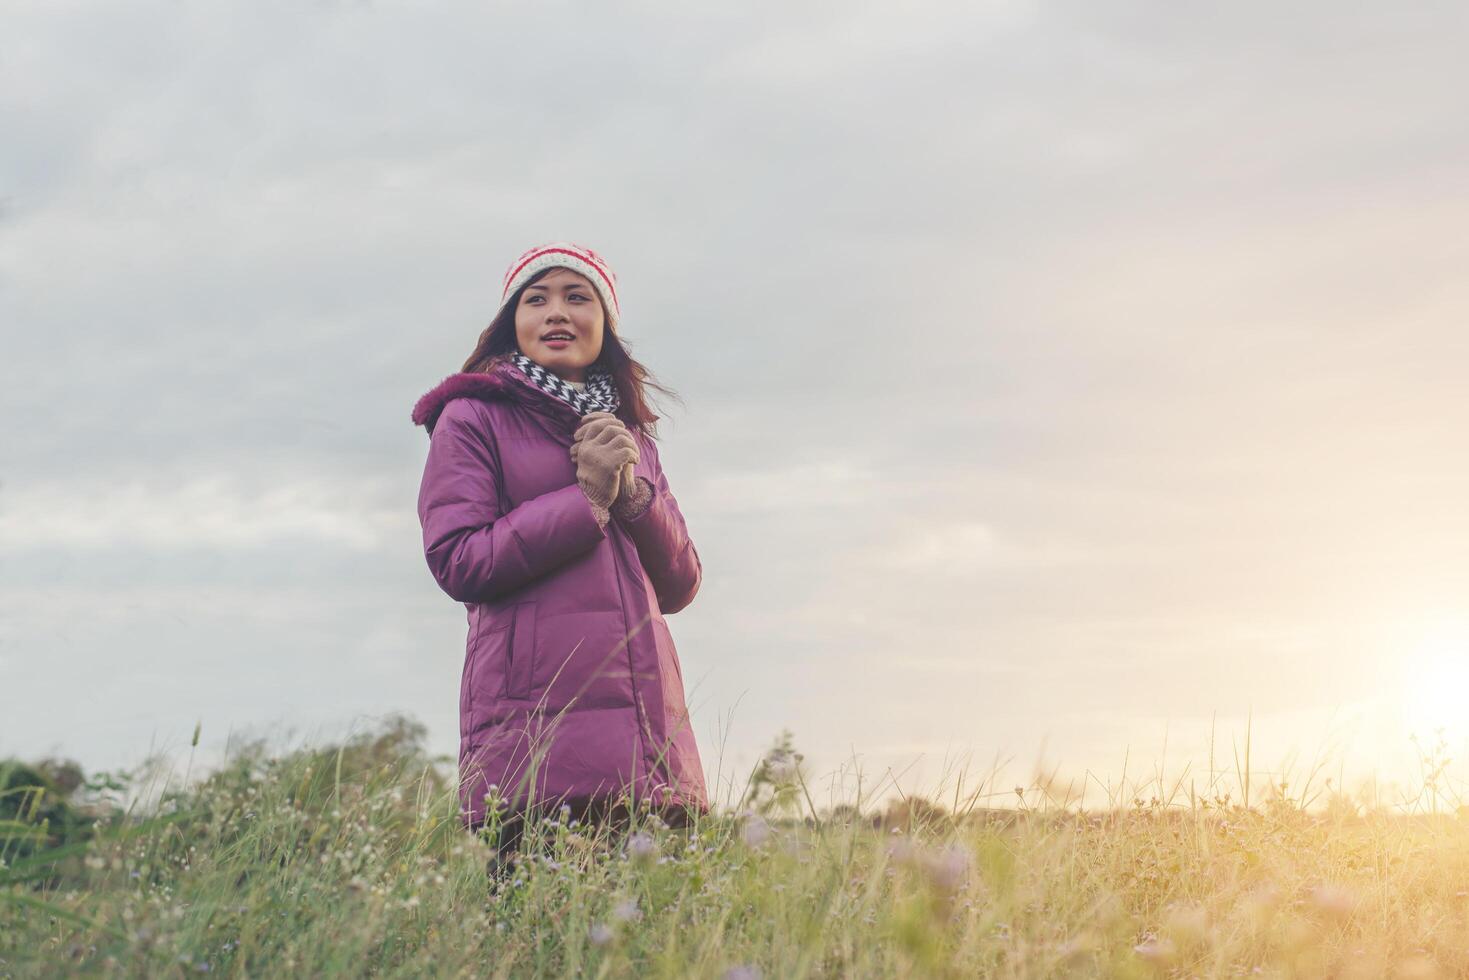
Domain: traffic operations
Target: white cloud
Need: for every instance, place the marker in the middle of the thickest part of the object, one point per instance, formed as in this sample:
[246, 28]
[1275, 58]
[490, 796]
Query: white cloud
[217, 511]
[784, 490]
[838, 43]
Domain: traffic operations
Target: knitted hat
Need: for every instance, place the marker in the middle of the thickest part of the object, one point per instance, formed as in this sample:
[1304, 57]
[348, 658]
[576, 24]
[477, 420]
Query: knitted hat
[566, 255]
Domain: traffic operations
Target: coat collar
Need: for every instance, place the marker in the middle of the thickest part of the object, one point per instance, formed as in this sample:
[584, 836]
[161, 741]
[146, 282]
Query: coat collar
[501, 381]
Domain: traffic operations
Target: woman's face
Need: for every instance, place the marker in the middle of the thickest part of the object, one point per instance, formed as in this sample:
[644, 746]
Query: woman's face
[560, 302]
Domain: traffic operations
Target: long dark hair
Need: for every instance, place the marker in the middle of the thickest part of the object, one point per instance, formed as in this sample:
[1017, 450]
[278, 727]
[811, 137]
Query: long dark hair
[497, 343]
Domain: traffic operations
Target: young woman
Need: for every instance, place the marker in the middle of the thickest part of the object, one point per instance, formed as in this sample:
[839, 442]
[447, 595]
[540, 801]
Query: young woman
[546, 512]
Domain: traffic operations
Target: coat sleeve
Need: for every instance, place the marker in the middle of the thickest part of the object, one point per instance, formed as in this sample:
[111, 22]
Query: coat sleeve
[663, 543]
[476, 553]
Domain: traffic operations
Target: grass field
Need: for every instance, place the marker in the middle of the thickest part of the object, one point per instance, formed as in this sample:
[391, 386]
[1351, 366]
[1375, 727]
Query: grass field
[348, 860]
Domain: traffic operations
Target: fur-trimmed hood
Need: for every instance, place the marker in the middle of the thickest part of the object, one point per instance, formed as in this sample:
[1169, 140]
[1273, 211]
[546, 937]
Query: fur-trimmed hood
[502, 381]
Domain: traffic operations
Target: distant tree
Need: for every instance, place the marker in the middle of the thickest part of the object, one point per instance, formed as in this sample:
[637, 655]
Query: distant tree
[36, 807]
[912, 814]
[843, 814]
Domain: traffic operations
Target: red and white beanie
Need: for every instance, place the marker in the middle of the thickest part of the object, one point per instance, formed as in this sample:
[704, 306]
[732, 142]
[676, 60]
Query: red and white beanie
[566, 255]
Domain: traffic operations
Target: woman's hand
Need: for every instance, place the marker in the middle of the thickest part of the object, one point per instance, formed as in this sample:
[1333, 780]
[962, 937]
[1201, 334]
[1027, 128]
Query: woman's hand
[604, 453]
[626, 482]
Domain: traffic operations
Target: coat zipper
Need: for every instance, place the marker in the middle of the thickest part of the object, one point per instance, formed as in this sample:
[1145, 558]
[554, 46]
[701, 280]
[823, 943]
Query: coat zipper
[644, 724]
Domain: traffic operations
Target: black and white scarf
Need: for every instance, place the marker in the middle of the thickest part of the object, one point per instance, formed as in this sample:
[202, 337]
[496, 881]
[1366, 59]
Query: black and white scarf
[600, 394]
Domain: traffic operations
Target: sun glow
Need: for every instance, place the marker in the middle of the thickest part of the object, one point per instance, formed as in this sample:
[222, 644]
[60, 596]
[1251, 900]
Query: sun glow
[1437, 685]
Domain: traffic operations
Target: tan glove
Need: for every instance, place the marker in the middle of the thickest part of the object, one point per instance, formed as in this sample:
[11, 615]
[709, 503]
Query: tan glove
[634, 495]
[603, 451]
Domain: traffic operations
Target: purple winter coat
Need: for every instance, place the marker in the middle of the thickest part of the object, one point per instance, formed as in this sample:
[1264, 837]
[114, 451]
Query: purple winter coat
[569, 667]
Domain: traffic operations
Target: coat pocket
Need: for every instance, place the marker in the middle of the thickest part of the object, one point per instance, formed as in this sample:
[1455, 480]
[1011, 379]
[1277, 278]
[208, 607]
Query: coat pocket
[484, 676]
[520, 673]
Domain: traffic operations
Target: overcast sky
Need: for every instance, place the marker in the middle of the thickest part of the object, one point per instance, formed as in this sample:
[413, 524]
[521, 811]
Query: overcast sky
[1058, 380]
